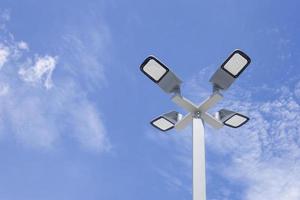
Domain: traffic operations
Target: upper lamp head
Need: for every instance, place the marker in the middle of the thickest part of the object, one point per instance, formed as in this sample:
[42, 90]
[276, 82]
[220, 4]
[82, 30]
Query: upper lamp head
[231, 69]
[161, 75]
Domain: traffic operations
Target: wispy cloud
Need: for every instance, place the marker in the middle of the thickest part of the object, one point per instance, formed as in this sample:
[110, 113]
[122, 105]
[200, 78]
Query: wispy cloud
[85, 54]
[91, 134]
[4, 17]
[43, 103]
[43, 67]
[265, 153]
[4, 53]
[23, 45]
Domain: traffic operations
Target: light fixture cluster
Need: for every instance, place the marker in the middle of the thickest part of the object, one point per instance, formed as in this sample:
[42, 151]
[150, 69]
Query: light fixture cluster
[222, 79]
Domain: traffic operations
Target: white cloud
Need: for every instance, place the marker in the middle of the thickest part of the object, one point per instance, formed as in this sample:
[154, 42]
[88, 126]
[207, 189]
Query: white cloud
[29, 122]
[43, 119]
[23, 45]
[171, 180]
[91, 133]
[42, 68]
[297, 90]
[4, 17]
[4, 53]
[40, 117]
[4, 89]
[265, 153]
[86, 53]
[274, 182]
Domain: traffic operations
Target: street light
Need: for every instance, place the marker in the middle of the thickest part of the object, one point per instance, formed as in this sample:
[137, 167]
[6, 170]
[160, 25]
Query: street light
[232, 119]
[160, 74]
[231, 69]
[222, 79]
[166, 121]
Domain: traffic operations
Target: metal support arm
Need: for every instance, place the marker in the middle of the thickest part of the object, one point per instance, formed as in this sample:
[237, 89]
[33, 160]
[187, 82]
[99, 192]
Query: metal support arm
[202, 108]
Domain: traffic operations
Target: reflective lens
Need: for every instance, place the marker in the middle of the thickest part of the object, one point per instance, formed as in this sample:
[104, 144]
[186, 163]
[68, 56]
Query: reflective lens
[236, 120]
[162, 123]
[236, 63]
[154, 69]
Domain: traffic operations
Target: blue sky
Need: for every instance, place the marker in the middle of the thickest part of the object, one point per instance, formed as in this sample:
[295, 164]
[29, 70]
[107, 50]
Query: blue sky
[75, 108]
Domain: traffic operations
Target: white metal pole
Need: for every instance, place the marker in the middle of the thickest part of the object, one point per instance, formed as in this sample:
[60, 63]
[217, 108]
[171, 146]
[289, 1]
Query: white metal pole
[199, 180]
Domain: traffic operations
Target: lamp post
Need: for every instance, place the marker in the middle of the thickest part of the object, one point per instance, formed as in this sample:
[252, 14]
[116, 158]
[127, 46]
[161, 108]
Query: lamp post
[221, 80]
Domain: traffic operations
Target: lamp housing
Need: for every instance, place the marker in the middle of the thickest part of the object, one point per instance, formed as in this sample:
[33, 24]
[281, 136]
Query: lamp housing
[166, 121]
[161, 75]
[231, 69]
[231, 118]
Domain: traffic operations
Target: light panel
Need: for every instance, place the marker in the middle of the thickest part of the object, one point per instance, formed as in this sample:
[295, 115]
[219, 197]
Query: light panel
[236, 63]
[162, 123]
[236, 120]
[154, 69]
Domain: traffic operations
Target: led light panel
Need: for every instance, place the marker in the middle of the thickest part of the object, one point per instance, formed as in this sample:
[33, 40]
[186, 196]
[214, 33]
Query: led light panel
[236, 120]
[236, 63]
[162, 124]
[154, 69]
